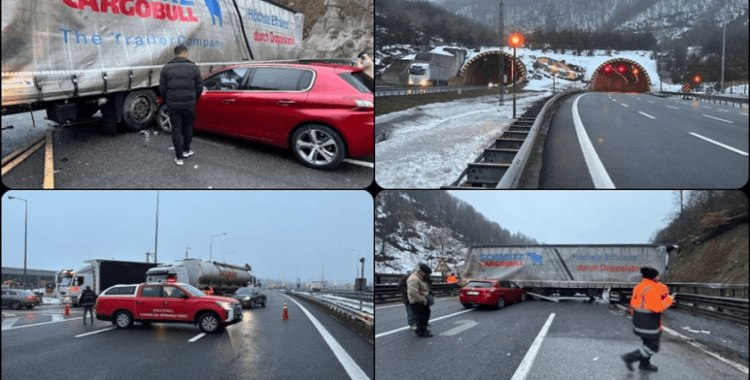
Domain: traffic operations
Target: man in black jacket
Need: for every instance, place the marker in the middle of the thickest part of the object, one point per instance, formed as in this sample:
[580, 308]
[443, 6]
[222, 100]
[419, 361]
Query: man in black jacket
[88, 298]
[180, 85]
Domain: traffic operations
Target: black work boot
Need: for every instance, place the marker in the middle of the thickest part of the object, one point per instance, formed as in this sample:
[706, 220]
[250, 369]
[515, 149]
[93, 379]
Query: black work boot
[630, 358]
[648, 367]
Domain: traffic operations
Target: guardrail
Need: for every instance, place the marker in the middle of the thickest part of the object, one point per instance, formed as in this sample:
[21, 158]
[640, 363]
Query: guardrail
[353, 294]
[390, 293]
[359, 315]
[706, 97]
[730, 309]
[400, 91]
[360, 322]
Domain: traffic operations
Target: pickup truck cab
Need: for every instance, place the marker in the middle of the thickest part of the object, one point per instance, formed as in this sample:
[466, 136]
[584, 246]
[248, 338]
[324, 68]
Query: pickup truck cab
[166, 302]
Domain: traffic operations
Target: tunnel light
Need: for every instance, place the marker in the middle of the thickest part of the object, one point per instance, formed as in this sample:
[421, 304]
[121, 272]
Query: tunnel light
[697, 79]
[621, 69]
[635, 70]
[607, 69]
[515, 40]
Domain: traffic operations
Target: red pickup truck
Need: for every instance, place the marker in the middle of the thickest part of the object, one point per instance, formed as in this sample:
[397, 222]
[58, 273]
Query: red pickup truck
[166, 302]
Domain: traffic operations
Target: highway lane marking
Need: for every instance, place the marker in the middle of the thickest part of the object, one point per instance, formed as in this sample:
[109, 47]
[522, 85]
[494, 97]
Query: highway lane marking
[695, 344]
[719, 144]
[596, 169]
[624, 105]
[650, 101]
[464, 325]
[672, 107]
[431, 320]
[707, 107]
[712, 117]
[638, 98]
[349, 364]
[614, 100]
[8, 322]
[39, 324]
[201, 335]
[523, 369]
[360, 163]
[96, 332]
[645, 114]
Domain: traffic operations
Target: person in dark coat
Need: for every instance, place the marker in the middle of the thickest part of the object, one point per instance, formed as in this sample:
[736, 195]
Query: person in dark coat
[410, 318]
[417, 290]
[180, 85]
[88, 299]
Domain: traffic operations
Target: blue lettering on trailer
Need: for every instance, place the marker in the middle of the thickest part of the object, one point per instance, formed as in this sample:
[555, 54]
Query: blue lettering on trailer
[257, 16]
[75, 37]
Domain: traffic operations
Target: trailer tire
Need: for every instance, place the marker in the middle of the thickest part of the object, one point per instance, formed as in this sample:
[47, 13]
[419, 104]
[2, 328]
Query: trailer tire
[123, 319]
[139, 109]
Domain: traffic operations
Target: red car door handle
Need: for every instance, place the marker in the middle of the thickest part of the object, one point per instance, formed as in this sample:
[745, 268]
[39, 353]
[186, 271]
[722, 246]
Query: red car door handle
[285, 102]
[227, 101]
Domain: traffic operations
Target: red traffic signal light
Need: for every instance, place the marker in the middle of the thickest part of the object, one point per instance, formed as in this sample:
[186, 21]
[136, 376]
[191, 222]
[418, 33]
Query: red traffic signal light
[697, 79]
[607, 69]
[515, 39]
[621, 69]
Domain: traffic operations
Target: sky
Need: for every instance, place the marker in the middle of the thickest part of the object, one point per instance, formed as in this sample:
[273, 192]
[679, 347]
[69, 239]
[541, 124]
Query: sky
[575, 217]
[276, 232]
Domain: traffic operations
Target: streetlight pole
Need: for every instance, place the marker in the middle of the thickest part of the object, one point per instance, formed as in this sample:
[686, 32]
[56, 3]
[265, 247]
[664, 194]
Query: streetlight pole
[25, 233]
[723, 44]
[501, 76]
[211, 251]
[156, 235]
[361, 289]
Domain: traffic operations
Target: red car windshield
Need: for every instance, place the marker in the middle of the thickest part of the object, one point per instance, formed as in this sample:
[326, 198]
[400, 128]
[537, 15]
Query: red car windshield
[479, 284]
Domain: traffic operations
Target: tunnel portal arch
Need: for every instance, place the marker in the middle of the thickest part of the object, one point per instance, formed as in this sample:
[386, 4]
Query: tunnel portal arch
[614, 81]
[484, 67]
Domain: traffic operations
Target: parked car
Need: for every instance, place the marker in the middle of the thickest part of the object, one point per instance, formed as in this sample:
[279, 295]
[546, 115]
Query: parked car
[323, 113]
[491, 293]
[16, 298]
[250, 297]
[166, 302]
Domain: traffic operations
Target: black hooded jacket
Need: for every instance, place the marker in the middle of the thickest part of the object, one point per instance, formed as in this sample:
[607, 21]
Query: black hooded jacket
[180, 83]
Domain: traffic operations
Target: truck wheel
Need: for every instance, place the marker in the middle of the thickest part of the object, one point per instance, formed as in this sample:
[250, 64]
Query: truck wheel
[123, 320]
[162, 118]
[467, 305]
[139, 109]
[209, 323]
[500, 303]
[15, 305]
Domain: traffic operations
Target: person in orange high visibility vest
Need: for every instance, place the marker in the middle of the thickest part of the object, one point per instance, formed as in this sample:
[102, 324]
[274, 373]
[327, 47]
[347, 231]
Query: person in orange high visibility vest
[453, 281]
[650, 298]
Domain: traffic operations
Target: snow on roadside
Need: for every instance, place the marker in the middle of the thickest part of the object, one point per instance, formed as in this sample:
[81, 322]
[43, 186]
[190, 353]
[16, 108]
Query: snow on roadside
[429, 146]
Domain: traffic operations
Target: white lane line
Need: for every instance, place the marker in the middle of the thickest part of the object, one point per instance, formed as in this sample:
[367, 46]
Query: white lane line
[614, 100]
[389, 306]
[349, 364]
[703, 348]
[596, 168]
[8, 323]
[463, 325]
[96, 332]
[645, 114]
[638, 98]
[719, 144]
[723, 110]
[707, 107]
[726, 121]
[360, 163]
[624, 105]
[650, 101]
[39, 324]
[201, 335]
[431, 320]
[523, 369]
[675, 108]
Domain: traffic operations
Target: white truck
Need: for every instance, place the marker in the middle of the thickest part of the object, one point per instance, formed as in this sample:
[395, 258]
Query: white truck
[223, 278]
[317, 286]
[73, 58]
[100, 275]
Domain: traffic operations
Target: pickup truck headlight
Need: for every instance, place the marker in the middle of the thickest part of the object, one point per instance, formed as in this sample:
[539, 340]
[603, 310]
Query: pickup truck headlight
[225, 305]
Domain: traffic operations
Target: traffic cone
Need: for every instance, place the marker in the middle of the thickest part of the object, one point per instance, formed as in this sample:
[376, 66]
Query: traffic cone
[67, 308]
[285, 313]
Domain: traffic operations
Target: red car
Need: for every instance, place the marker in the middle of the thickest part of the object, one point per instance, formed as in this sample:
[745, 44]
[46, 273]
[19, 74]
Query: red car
[171, 303]
[491, 292]
[322, 112]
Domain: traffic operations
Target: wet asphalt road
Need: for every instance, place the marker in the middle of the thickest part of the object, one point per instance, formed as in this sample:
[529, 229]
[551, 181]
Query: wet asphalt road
[262, 346]
[86, 159]
[584, 341]
[647, 142]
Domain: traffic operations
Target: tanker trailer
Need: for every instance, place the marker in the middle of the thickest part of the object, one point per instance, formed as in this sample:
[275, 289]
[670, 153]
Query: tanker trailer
[568, 269]
[223, 278]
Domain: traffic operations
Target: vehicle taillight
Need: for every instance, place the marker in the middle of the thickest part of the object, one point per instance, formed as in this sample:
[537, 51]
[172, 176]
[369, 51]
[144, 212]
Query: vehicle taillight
[30, 298]
[171, 279]
[363, 105]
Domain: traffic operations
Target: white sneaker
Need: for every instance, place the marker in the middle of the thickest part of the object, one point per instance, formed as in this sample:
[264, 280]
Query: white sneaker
[178, 161]
[187, 154]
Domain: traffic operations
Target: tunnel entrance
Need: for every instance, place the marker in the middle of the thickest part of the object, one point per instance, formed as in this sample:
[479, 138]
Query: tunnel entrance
[621, 75]
[484, 68]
